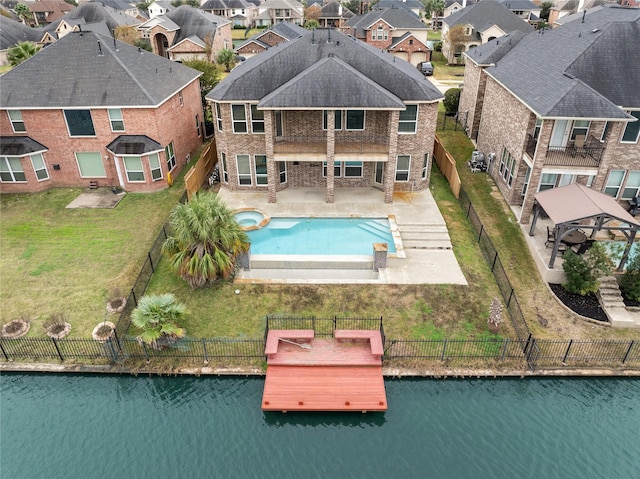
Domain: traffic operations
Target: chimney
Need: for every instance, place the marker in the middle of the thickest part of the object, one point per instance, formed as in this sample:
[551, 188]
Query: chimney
[340, 10]
[464, 3]
[580, 6]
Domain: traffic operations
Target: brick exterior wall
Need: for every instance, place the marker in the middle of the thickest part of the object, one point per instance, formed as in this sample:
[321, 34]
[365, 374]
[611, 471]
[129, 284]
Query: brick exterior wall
[416, 50]
[221, 38]
[167, 123]
[308, 124]
[472, 96]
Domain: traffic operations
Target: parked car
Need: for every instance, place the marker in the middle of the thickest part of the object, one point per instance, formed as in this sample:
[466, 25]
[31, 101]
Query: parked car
[426, 68]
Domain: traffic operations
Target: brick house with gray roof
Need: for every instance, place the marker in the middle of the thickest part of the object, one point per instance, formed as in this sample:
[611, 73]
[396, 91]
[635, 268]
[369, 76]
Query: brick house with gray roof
[325, 110]
[559, 106]
[115, 116]
[280, 32]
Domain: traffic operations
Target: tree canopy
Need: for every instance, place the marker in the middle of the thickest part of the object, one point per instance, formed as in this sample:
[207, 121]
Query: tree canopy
[23, 50]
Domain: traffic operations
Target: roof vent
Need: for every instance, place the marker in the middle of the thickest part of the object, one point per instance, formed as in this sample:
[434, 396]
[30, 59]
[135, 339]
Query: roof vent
[100, 52]
[313, 36]
[595, 30]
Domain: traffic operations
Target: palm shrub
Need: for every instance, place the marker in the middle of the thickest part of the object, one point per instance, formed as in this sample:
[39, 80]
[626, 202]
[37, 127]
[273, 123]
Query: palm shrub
[156, 317]
[21, 52]
[630, 280]
[206, 240]
[583, 272]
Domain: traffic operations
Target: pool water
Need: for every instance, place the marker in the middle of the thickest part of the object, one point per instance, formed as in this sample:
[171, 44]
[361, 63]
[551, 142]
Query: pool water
[248, 219]
[616, 248]
[321, 236]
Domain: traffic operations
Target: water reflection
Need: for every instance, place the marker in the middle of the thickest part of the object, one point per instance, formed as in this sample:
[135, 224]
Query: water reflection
[325, 419]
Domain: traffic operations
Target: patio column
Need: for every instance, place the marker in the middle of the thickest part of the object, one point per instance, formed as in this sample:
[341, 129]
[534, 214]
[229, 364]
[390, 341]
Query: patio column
[331, 155]
[268, 145]
[390, 174]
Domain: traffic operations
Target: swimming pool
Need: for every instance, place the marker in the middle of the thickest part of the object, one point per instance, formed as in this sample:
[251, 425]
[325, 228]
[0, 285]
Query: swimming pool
[321, 236]
[616, 248]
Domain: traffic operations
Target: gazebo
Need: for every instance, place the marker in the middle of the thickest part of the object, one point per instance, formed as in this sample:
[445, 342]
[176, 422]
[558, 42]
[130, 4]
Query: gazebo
[575, 207]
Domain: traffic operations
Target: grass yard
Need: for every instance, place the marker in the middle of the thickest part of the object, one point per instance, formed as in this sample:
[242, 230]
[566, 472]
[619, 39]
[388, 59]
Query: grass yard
[442, 71]
[57, 260]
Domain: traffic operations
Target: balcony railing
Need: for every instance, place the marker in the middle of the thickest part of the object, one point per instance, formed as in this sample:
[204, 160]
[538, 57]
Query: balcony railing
[358, 145]
[588, 155]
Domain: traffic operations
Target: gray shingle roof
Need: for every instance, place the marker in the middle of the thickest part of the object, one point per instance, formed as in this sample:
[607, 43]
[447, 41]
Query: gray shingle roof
[79, 76]
[93, 12]
[133, 145]
[262, 74]
[194, 22]
[519, 4]
[581, 70]
[396, 17]
[286, 30]
[19, 146]
[488, 12]
[494, 50]
[225, 4]
[406, 5]
[12, 32]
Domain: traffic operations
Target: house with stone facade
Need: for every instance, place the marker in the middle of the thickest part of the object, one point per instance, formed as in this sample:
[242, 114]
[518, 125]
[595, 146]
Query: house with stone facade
[333, 14]
[577, 120]
[115, 116]
[478, 23]
[324, 110]
[272, 12]
[396, 30]
[187, 33]
[279, 33]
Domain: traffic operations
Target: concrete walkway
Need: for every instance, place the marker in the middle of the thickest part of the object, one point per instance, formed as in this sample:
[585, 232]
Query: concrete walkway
[428, 254]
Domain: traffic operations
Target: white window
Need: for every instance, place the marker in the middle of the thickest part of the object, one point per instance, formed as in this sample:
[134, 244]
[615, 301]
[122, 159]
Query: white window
[282, 170]
[403, 162]
[632, 186]
[580, 128]
[257, 119]
[507, 166]
[243, 164]
[337, 169]
[90, 164]
[39, 167]
[115, 117]
[548, 181]
[133, 167]
[632, 130]
[79, 122]
[605, 131]
[11, 170]
[379, 36]
[239, 118]
[355, 120]
[337, 122]
[17, 123]
[224, 172]
[614, 182]
[170, 156]
[260, 165]
[154, 166]
[425, 166]
[279, 123]
[219, 116]
[408, 120]
[353, 169]
[537, 128]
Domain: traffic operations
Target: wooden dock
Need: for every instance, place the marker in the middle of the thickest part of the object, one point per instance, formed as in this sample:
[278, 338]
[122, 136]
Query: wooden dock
[324, 374]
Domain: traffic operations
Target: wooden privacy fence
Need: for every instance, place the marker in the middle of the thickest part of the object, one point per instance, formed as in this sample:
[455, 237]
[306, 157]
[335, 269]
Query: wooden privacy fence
[447, 166]
[197, 175]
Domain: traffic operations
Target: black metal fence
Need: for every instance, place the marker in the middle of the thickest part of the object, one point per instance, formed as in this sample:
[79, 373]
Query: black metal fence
[322, 327]
[455, 122]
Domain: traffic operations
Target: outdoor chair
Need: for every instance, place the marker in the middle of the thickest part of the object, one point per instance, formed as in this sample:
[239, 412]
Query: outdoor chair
[584, 247]
[578, 143]
[551, 237]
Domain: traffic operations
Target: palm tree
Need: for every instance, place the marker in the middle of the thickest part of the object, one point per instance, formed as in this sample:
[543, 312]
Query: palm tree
[206, 240]
[155, 315]
[23, 12]
[23, 50]
[227, 58]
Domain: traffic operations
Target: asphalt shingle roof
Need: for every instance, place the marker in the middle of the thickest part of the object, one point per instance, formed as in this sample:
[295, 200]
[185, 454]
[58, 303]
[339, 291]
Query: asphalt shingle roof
[286, 30]
[396, 17]
[488, 12]
[133, 145]
[579, 70]
[262, 74]
[85, 69]
[19, 146]
[194, 22]
[12, 32]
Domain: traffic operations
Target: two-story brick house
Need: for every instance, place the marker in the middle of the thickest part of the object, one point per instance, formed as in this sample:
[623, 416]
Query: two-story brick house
[279, 33]
[325, 110]
[92, 110]
[396, 30]
[560, 106]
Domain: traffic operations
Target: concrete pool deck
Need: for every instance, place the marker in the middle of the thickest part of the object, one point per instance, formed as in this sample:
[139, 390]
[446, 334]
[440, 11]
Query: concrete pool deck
[429, 257]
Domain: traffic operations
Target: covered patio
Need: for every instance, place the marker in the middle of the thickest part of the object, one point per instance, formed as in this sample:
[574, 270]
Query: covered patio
[574, 208]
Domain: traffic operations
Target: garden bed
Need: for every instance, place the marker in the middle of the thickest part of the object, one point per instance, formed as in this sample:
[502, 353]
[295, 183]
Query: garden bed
[587, 306]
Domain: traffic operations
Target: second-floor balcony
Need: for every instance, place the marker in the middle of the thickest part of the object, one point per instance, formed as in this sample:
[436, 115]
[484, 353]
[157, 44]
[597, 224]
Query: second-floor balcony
[588, 154]
[314, 148]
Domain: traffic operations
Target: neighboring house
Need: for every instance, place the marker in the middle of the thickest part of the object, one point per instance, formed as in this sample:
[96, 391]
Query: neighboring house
[48, 11]
[115, 116]
[414, 6]
[240, 12]
[121, 6]
[450, 7]
[479, 23]
[396, 30]
[13, 32]
[525, 9]
[324, 110]
[570, 116]
[187, 33]
[159, 8]
[333, 14]
[272, 12]
[279, 33]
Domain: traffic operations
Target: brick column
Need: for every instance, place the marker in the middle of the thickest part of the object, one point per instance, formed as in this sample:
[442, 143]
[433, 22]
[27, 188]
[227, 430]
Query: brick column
[268, 145]
[390, 174]
[331, 156]
[536, 172]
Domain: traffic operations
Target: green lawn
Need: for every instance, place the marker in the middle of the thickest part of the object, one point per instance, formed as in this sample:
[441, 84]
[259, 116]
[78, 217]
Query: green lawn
[442, 71]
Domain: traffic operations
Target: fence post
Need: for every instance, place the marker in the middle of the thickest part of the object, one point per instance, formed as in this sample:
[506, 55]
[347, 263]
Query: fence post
[444, 349]
[509, 301]
[526, 346]
[204, 348]
[57, 349]
[151, 262]
[7, 357]
[504, 349]
[626, 355]
[469, 210]
[133, 293]
[144, 348]
[480, 233]
[164, 231]
[495, 258]
[114, 355]
[564, 359]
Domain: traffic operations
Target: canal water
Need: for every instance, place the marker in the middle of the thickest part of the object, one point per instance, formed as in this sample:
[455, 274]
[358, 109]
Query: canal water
[69, 426]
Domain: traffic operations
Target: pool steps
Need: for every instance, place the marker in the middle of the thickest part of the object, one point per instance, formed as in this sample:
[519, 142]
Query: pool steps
[346, 262]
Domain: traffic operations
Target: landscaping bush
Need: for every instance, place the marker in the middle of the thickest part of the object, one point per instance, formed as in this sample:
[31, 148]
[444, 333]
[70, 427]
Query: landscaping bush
[630, 280]
[583, 272]
[437, 46]
[451, 101]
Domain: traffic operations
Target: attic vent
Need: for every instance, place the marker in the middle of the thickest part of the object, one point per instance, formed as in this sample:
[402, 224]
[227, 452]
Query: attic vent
[595, 30]
[330, 55]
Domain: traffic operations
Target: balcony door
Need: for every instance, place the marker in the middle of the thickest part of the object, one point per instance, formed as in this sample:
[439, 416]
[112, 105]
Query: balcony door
[378, 177]
[560, 134]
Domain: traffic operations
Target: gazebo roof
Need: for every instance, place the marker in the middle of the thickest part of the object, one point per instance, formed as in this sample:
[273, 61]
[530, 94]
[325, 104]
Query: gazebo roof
[576, 202]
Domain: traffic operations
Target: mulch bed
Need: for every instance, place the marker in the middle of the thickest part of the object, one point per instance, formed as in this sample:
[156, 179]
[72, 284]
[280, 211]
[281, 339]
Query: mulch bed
[587, 306]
